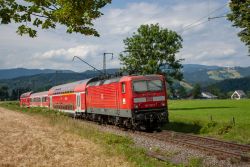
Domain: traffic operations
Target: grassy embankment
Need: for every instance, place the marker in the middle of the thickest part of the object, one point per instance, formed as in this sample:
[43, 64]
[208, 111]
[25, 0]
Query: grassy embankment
[227, 119]
[113, 144]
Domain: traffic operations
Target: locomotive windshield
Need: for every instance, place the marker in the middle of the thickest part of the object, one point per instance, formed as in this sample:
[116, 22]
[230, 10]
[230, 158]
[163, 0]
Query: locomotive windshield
[147, 85]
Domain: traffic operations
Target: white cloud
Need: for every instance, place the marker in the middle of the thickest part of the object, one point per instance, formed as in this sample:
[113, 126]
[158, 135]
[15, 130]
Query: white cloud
[83, 51]
[213, 43]
[62, 58]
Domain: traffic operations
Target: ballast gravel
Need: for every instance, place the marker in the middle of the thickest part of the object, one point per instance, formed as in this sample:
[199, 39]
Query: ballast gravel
[175, 153]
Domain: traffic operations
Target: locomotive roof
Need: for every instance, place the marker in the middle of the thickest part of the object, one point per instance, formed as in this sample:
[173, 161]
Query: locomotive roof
[131, 77]
[105, 81]
[27, 94]
[80, 86]
[124, 78]
[39, 94]
[77, 86]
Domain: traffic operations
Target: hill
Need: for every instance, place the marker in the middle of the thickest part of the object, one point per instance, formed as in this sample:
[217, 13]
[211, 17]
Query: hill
[18, 72]
[41, 82]
[193, 73]
[206, 75]
[233, 84]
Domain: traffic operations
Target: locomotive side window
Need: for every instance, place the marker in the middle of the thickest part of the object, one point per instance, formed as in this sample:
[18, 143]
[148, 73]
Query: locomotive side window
[123, 88]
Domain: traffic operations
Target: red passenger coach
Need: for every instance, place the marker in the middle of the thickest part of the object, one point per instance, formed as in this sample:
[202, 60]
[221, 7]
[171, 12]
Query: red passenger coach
[40, 99]
[25, 99]
[69, 97]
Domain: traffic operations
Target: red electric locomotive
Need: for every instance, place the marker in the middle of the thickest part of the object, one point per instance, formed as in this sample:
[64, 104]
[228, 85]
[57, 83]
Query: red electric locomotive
[137, 102]
[25, 99]
[131, 101]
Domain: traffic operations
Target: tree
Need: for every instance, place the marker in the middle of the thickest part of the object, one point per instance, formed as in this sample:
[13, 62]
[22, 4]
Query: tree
[76, 15]
[182, 92]
[240, 16]
[151, 50]
[17, 92]
[248, 94]
[196, 91]
[4, 94]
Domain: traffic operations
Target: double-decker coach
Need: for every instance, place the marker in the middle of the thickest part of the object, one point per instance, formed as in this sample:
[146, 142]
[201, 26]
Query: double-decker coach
[25, 99]
[40, 99]
[69, 98]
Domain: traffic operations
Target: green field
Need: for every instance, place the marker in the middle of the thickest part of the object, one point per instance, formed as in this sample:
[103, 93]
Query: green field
[113, 144]
[227, 119]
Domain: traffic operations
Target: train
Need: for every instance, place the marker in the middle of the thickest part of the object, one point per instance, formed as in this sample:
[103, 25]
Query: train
[136, 101]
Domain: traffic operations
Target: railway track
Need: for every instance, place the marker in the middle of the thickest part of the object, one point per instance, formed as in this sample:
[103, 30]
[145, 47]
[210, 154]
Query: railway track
[222, 149]
[210, 146]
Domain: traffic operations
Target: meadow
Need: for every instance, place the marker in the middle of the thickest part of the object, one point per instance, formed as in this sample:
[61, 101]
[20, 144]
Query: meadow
[112, 144]
[226, 119]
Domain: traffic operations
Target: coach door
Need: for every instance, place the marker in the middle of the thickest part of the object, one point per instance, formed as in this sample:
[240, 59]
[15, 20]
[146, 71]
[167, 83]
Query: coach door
[50, 102]
[78, 102]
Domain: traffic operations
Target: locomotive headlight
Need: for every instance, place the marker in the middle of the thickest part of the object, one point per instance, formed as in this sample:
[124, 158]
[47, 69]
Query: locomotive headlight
[163, 114]
[163, 104]
[136, 106]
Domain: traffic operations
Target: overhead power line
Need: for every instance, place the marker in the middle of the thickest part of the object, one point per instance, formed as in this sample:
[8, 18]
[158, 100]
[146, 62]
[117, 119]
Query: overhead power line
[198, 22]
[205, 21]
[88, 64]
[219, 16]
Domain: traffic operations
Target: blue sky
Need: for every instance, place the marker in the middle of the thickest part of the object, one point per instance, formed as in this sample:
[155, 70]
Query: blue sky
[211, 43]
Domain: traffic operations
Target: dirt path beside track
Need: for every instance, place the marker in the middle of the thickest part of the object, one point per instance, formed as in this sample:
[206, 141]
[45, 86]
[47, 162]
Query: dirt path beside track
[30, 141]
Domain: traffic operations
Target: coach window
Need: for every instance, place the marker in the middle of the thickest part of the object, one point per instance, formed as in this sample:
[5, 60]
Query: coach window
[123, 88]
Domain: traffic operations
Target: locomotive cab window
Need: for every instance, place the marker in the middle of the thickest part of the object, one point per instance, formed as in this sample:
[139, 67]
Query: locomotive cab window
[147, 85]
[140, 86]
[123, 87]
[155, 85]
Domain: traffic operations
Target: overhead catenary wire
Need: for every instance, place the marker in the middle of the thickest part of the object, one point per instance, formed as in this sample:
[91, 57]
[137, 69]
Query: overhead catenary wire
[198, 21]
[205, 21]
[197, 24]
[88, 64]
[219, 16]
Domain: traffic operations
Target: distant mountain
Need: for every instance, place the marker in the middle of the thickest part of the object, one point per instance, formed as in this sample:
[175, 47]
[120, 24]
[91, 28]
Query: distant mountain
[41, 82]
[233, 84]
[206, 75]
[35, 79]
[18, 72]
[197, 67]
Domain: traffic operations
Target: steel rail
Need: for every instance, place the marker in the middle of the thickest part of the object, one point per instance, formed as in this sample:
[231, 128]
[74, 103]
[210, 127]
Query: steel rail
[239, 151]
[221, 149]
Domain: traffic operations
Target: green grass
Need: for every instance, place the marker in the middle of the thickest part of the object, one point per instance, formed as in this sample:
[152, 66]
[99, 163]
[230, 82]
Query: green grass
[227, 119]
[113, 144]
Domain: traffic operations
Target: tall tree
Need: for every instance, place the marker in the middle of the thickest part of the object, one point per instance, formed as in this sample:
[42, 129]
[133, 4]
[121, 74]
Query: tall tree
[76, 15]
[182, 92]
[4, 94]
[196, 91]
[240, 16]
[151, 50]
